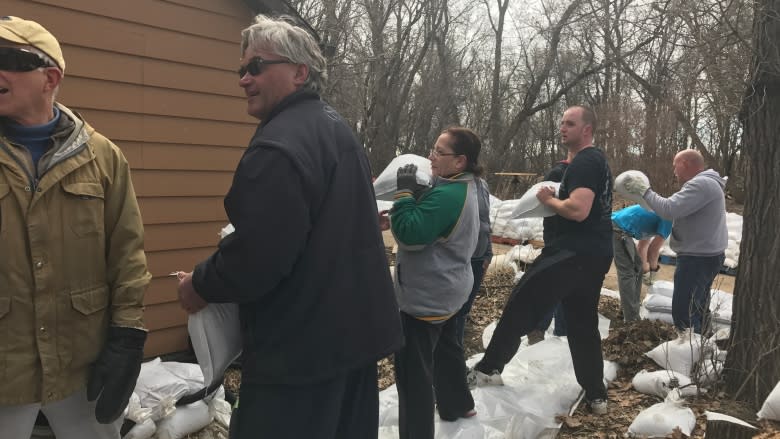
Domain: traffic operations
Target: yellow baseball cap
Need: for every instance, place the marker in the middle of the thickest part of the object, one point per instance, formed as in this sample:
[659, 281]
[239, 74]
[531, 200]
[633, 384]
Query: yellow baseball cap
[30, 33]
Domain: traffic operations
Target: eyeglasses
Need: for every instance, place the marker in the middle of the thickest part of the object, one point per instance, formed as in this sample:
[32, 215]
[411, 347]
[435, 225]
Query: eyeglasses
[437, 153]
[255, 66]
[13, 59]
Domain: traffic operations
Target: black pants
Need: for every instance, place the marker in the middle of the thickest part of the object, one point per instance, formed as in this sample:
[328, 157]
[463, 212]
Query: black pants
[575, 281]
[345, 407]
[430, 369]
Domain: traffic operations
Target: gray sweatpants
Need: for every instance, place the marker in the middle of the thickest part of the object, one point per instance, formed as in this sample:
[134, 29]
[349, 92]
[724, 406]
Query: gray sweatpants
[70, 418]
[629, 274]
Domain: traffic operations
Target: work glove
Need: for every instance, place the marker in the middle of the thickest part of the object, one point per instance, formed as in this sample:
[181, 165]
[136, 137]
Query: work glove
[406, 178]
[636, 186]
[115, 372]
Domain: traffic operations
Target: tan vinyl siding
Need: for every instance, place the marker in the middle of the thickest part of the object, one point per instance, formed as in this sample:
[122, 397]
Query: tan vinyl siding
[158, 78]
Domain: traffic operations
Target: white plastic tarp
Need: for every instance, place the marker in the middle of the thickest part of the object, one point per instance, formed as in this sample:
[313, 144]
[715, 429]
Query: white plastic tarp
[539, 384]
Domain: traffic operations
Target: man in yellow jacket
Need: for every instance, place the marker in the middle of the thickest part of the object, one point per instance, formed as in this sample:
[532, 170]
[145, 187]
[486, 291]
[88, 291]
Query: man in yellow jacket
[72, 266]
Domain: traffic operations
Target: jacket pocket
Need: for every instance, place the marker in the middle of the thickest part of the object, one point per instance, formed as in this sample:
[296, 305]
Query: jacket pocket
[84, 208]
[87, 326]
[90, 301]
[4, 190]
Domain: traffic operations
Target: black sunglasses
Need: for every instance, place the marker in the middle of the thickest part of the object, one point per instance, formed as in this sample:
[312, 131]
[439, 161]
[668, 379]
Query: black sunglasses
[255, 66]
[13, 59]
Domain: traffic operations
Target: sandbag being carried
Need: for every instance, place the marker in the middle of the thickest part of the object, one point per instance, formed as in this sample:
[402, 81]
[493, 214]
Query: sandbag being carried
[528, 206]
[216, 339]
[620, 186]
[385, 184]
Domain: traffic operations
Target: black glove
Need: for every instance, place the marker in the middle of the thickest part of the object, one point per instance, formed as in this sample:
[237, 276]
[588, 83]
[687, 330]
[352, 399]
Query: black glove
[115, 372]
[406, 179]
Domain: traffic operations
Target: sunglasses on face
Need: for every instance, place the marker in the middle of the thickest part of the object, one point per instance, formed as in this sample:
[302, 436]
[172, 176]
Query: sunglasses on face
[20, 60]
[255, 66]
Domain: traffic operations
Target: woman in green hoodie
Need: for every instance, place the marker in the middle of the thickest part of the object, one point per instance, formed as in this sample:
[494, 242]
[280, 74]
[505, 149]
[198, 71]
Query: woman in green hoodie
[436, 235]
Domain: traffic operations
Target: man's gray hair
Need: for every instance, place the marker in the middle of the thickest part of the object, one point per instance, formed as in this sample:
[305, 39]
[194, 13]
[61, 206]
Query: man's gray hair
[283, 37]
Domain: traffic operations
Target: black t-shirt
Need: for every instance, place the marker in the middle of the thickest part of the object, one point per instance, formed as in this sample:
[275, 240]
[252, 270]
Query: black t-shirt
[589, 169]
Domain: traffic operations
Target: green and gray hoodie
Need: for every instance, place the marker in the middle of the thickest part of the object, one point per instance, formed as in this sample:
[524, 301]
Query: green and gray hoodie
[436, 237]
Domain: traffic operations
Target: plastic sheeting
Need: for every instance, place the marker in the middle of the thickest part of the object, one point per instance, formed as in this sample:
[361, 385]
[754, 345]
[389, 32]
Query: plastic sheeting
[539, 384]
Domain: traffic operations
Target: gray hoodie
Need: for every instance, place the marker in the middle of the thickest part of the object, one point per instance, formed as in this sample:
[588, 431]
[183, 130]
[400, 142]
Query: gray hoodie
[698, 214]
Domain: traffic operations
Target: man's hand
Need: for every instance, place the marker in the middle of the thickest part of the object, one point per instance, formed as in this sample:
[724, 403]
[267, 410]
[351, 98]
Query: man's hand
[115, 372]
[406, 178]
[545, 193]
[189, 299]
[635, 185]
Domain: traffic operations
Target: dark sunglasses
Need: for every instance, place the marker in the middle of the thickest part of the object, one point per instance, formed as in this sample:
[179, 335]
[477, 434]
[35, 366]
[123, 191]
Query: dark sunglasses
[20, 60]
[255, 66]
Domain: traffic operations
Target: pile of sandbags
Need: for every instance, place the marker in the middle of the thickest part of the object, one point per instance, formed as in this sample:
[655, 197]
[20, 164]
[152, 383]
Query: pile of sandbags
[657, 304]
[153, 405]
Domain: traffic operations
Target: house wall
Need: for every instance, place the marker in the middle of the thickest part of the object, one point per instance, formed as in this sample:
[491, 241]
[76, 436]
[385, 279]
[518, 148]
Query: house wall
[158, 78]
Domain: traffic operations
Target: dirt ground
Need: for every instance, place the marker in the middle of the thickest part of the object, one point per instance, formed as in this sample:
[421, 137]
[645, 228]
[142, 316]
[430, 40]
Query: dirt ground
[625, 345]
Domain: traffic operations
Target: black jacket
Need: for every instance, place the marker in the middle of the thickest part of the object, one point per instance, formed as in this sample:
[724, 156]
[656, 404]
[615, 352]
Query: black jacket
[306, 263]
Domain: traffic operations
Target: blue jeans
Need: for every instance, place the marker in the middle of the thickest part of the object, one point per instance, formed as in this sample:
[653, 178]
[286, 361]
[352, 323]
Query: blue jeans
[560, 321]
[692, 282]
[478, 268]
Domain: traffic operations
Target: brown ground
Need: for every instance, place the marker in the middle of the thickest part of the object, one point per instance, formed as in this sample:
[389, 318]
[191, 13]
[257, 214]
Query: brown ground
[625, 345]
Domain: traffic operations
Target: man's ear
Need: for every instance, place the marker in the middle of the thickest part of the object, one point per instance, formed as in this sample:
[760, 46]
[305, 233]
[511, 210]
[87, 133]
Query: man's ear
[53, 78]
[301, 74]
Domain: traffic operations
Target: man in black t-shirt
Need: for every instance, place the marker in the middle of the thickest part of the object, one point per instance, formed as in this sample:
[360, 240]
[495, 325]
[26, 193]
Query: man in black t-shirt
[571, 268]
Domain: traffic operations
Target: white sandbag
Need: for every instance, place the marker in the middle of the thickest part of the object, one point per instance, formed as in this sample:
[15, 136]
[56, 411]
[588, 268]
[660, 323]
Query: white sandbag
[216, 339]
[159, 389]
[385, 184]
[528, 253]
[227, 230]
[771, 407]
[662, 287]
[710, 371]
[680, 354]
[620, 186]
[135, 412]
[221, 411]
[501, 262]
[530, 207]
[190, 373]
[661, 419]
[658, 303]
[216, 335]
[144, 430]
[661, 382]
[721, 306]
[187, 419]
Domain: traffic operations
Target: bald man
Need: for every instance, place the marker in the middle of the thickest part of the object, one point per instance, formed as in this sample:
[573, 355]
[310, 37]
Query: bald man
[699, 234]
